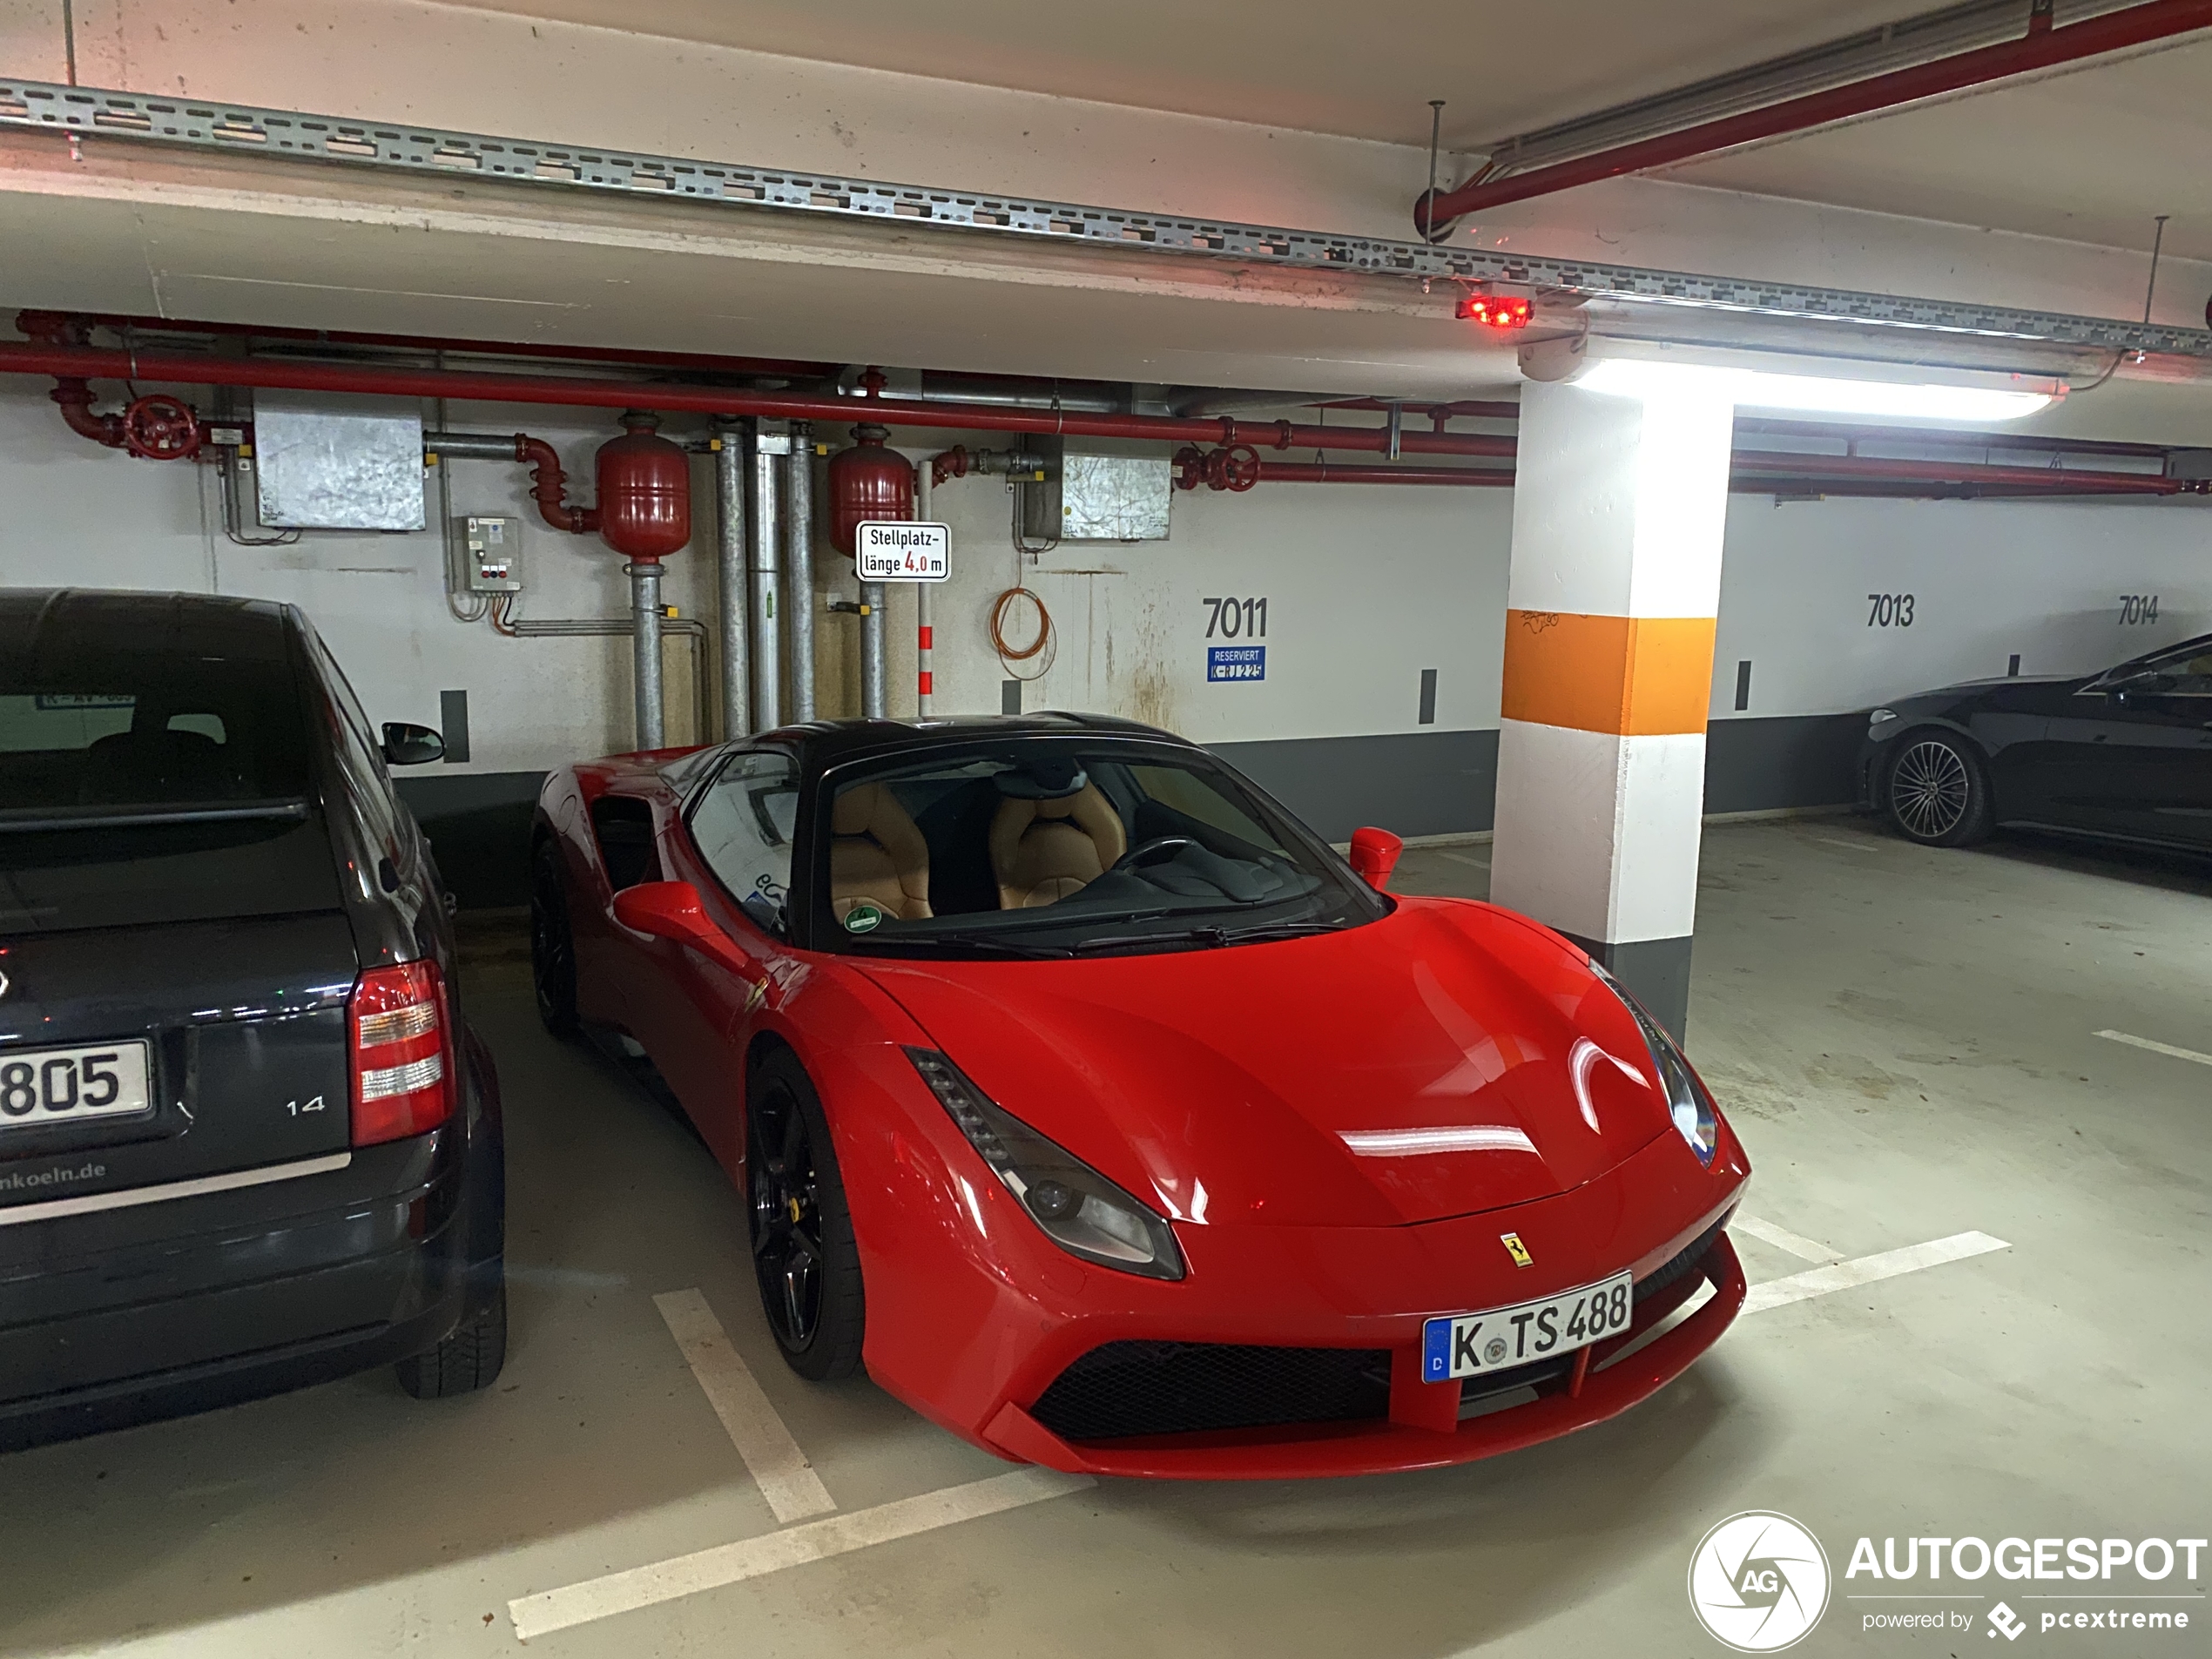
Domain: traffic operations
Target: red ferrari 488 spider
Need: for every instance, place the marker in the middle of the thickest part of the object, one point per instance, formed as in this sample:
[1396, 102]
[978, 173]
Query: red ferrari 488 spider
[1116, 1124]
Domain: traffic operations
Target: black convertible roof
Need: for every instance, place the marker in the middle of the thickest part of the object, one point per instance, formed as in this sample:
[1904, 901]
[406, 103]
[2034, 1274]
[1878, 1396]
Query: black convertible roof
[827, 743]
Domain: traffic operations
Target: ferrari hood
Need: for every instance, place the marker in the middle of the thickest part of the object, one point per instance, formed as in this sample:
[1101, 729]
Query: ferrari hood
[1447, 1059]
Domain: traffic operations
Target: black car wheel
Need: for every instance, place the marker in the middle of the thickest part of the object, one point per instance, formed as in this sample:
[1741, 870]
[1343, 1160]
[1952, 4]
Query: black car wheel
[803, 1254]
[469, 1359]
[552, 945]
[1937, 791]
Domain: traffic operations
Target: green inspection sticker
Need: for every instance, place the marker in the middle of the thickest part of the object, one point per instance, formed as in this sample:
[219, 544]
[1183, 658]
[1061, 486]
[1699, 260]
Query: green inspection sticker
[863, 918]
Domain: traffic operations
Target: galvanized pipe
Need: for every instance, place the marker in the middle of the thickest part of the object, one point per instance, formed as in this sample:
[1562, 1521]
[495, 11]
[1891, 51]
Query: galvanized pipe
[732, 602]
[798, 600]
[645, 621]
[874, 684]
[767, 448]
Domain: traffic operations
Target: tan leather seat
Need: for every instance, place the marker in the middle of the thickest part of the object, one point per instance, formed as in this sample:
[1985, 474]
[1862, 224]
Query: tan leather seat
[1041, 851]
[877, 855]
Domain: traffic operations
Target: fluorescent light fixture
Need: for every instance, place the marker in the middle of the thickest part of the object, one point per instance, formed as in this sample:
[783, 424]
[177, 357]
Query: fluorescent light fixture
[1753, 388]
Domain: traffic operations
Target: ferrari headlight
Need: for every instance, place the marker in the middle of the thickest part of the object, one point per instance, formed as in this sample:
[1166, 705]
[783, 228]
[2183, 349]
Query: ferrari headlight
[1688, 1104]
[1079, 1209]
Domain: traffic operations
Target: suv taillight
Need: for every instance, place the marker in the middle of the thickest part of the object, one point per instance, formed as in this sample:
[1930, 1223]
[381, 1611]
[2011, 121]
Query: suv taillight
[398, 1030]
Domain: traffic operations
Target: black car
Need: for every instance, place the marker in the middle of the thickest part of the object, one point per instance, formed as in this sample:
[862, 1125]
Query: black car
[2125, 755]
[246, 1141]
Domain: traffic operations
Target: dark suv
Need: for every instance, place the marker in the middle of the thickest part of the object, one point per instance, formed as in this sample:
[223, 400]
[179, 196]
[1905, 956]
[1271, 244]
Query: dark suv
[246, 1141]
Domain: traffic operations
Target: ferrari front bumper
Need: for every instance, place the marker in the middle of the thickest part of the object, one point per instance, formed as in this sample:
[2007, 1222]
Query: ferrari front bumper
[1604, 1387]
[975, 1336]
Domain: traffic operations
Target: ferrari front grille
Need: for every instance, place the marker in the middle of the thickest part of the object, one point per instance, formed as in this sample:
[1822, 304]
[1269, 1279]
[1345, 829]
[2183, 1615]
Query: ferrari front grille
[1679, 1264]
[1125, 1388]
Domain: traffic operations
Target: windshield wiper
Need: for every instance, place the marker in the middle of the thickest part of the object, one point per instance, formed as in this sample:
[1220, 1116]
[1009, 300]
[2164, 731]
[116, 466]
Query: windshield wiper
[969, 941]
[1215, 937]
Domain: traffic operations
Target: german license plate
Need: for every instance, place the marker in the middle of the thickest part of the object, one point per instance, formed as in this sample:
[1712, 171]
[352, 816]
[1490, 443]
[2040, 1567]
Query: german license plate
[45, 1085]
[1467, 1345]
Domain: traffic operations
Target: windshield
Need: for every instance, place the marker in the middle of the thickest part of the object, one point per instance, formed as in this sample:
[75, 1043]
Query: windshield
[1066, 848]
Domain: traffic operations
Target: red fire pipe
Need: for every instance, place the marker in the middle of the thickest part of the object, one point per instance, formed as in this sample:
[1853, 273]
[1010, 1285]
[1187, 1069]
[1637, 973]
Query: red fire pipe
[1302, 472]
[462, 384]
[549, 484]
[76, 400]
[785, 368]
[2040, 49]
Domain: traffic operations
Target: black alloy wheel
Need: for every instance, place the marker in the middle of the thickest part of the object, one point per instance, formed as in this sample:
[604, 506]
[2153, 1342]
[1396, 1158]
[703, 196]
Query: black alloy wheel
[552, 944]
[1938, 792]
[803, 1254]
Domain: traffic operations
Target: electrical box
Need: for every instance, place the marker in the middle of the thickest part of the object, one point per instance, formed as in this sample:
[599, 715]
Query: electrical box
[490, 553]
[1096, 498]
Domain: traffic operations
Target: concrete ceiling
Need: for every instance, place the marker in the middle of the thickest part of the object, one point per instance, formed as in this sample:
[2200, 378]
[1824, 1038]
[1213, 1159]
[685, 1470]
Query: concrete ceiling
[2089, 154]
[1362, 70]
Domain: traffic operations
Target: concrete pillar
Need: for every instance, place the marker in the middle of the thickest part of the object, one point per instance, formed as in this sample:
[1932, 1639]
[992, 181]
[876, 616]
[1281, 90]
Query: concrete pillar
[1618, 512]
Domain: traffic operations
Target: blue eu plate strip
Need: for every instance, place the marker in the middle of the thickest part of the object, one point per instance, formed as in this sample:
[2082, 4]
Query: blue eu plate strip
[1436, 1349]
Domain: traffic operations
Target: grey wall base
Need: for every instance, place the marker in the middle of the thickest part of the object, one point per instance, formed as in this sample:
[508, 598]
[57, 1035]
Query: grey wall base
[1763, 764]
[1655, 970]
[1414, 783]
[479, 826]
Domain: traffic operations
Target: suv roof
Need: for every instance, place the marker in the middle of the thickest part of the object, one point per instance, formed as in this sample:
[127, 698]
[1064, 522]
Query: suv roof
[40, 619]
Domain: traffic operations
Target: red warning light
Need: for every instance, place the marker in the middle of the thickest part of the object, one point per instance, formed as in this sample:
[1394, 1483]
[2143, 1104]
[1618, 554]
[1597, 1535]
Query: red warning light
[1499, 311]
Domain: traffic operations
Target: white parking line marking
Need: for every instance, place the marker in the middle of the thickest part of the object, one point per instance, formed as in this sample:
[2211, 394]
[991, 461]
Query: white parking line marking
[641, 1587]
[787, 1479]
[2156, 1048]
[1865, 1270]
[1463, 857]
[1783, 1238]
[1848, 847]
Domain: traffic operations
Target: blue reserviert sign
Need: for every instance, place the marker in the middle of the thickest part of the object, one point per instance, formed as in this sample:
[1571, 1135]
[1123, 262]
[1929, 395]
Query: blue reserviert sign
[1236, 662]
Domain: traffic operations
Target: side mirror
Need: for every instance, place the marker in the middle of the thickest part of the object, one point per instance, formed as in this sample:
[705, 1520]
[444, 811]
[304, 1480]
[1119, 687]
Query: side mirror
[664, 910]
[411, 746]
[671, 910]
[1374, 855]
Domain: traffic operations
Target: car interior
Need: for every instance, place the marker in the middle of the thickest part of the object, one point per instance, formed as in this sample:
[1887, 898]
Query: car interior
[989, 836]
[122, 750]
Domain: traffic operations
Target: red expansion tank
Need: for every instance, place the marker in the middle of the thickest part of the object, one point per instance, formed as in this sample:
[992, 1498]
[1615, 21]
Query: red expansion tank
[644, 491]
[867, 482]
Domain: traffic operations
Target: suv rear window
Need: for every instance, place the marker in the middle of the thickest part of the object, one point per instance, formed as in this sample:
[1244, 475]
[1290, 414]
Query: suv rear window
[154, 764]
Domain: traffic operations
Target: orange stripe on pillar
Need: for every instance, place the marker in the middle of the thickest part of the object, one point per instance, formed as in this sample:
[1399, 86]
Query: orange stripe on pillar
[1634, 676]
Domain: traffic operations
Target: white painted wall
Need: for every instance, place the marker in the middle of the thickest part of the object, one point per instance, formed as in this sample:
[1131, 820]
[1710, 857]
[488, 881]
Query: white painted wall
[1365, 587]
[1989, 579]
[83, 515]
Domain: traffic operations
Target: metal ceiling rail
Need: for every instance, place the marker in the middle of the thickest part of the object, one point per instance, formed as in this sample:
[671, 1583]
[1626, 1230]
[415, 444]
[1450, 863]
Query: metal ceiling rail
[192, 124]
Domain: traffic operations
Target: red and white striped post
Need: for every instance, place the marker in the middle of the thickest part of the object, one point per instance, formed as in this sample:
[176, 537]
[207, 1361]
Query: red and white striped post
[924, 639]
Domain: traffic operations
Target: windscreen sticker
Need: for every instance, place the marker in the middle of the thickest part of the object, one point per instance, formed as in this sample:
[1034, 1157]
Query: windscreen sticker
[863, 918]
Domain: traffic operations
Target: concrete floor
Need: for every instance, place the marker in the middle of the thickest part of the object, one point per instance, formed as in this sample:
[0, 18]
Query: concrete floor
[1906, 1040]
